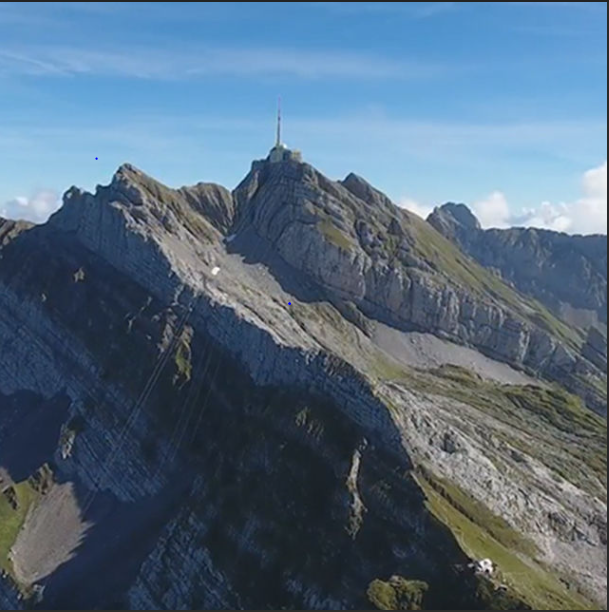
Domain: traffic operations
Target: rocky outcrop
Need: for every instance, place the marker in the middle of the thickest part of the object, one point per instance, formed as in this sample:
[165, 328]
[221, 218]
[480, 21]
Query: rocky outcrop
[443, 433]
[595, 349]
[358, 246]
[566, 273]
[214, 202]
[9, 229]
[252, 462]
[214, 434]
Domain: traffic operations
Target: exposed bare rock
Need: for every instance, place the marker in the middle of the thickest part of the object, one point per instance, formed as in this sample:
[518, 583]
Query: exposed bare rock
[595, 349]
[566, 273]
[348, 238]
[51, 535]
[11, 229]
[223, 390]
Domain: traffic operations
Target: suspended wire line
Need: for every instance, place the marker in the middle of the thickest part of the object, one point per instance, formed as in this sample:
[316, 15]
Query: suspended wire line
[137, 408]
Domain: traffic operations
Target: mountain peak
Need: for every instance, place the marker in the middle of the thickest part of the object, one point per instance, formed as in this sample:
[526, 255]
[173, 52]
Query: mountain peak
[568, 274]
[382, 255]
[127, 169]
[314, 326]
[363, 190]
[128, 181]
[9, 229]
[460, 213]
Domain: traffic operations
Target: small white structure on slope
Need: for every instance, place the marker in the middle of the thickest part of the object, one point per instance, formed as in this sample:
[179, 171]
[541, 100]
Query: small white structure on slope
[486, 567]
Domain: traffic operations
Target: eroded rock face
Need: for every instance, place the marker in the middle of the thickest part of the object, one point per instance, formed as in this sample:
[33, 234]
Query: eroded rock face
[209, 447]
[566, 273]
[260, 475]
[10, 229]
[564, 522]
[596, 348]
[355, 243]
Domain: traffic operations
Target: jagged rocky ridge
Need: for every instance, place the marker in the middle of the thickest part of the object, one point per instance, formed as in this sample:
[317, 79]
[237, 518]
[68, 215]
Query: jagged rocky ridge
[353, 241]
[567, 273]
[284, 458]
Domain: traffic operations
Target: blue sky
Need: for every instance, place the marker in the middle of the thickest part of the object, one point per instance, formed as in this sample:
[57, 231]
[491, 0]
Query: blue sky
[502, 105]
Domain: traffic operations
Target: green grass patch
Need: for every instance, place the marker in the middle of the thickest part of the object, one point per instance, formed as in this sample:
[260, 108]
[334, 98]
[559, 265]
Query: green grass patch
[398, 594]
[194, 221]
[526, 578]
[555, 407]
[459, 269]
[497, 599]
[334, 235]
[546, 423]
[478, 513]
[183, 360]
[386, 368]
[15, 503]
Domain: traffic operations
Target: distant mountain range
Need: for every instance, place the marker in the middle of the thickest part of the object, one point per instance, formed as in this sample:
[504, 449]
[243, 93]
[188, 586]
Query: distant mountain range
[566, 273]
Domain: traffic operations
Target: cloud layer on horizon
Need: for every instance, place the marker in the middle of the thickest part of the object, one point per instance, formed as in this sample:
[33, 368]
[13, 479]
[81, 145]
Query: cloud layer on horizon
[587, 215]
[37, 208]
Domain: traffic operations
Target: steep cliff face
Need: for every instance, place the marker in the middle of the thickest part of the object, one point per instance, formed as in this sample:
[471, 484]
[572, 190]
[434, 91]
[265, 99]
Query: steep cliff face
[595, 349]
[196, 412]
[566, 273]
[10, 229]
[352, 241]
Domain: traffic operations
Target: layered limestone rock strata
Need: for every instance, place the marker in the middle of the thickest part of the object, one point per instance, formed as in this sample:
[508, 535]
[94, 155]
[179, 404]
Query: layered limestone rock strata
[295, 489]
[355, 243]
[567, 273]
[215, 495]
[595, 349]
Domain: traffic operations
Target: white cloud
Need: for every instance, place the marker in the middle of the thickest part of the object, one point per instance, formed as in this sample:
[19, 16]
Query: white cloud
[591, 211]
[422, 210]
[556, 217]
[493, 211]
[587, 215]
[147, 63]
[595, 183]
[37, 209]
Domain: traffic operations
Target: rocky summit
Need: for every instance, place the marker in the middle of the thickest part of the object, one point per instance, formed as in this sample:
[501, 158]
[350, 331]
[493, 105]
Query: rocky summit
[568, 274]
[298, 396]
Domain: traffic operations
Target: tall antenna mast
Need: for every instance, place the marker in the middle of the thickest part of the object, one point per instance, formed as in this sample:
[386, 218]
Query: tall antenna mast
[279, 123]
